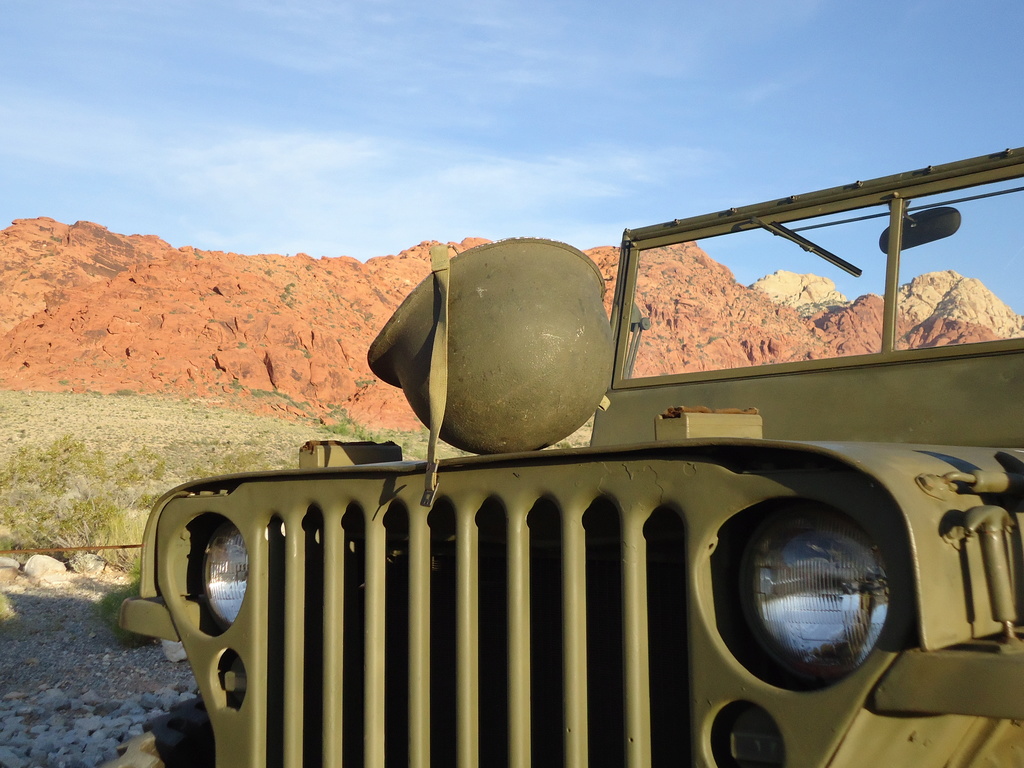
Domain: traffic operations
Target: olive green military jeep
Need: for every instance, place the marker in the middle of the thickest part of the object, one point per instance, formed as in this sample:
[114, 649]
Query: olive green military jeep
[793, 539]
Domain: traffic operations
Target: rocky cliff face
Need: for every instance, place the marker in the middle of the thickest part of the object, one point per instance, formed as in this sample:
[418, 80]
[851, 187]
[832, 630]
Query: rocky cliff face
[87, 309]
[964, 300]
[807, 294]
[936, 309]
[40, 258]
[703, 320]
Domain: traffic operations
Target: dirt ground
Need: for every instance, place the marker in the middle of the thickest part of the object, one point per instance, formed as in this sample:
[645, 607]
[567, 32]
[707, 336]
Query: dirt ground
[57, 638]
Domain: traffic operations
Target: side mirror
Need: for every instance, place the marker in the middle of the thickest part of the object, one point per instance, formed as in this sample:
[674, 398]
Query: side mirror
[925, 226]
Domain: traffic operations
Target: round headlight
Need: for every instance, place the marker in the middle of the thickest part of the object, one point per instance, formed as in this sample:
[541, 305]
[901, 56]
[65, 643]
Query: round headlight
[227, 571]
[816, 591]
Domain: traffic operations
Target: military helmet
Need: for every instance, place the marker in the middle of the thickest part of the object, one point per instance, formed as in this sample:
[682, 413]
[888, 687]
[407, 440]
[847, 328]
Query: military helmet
[529, 352]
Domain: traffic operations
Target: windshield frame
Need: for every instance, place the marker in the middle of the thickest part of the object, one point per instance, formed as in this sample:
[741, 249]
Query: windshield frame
[892, 191]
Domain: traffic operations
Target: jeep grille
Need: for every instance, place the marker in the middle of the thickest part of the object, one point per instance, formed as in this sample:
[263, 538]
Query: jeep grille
[539, 629]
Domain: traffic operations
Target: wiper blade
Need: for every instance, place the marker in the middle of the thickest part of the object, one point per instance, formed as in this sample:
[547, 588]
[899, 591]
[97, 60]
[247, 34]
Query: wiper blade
[807, 245]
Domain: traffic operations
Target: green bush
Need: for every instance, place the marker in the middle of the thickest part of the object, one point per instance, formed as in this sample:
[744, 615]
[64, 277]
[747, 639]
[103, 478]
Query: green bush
[69, 495]
[343, 425]
[231, 462]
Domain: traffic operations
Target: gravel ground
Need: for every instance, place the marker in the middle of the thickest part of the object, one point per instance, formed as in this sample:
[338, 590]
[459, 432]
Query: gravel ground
[69, 692]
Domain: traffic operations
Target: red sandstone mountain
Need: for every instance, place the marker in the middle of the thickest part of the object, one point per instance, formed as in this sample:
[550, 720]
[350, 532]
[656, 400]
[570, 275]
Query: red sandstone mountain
[703, 320]
[86, 309]
[83, 308]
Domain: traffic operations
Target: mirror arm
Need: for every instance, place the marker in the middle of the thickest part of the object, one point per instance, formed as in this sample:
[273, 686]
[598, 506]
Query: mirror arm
[807, 245]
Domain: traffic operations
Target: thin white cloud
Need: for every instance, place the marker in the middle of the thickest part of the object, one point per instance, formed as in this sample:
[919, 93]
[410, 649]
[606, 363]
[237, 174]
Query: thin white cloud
[348, 194]
[327, 193]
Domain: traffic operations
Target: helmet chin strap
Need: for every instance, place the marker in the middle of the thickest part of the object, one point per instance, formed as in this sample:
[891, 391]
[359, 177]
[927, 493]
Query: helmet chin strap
[438, 382]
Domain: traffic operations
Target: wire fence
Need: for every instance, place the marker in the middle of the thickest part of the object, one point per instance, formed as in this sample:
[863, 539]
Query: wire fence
[67, 549]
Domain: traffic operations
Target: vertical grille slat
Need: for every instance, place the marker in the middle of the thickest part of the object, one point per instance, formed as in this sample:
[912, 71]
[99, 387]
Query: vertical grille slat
[334, 632]
[467, 642]
[635, 643]
[294, 639]
[275, 600]
[519, 667]
[256, 689]
[353, 524]
[312, 534]
[374, 699]
[574, 637]
[419, 641]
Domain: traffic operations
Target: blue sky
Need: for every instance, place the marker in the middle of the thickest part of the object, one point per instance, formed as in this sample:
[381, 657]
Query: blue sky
[360, 129]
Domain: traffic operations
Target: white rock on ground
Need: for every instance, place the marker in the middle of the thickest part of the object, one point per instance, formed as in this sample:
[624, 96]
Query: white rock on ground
[43, 568]
[174, 650]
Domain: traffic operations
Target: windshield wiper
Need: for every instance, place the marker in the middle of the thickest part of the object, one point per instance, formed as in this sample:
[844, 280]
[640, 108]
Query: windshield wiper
[807, 245]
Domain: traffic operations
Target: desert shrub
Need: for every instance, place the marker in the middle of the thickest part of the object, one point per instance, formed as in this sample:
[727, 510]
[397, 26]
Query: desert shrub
[230, 462]
[70, 495]
[344, 426]
[126, 528]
